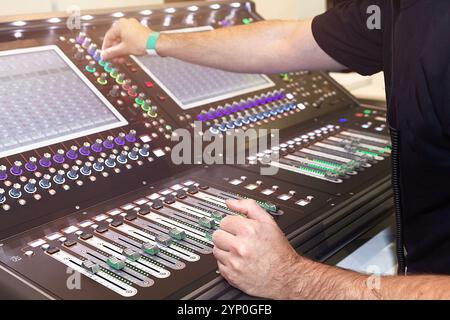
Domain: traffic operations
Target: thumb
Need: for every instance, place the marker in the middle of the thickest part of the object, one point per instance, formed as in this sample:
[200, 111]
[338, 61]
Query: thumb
[251, 209]
[118, 50]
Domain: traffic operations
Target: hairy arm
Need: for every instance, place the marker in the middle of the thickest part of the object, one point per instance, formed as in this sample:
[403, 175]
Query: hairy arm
[310, 280]
[254, 256]
[262, 47]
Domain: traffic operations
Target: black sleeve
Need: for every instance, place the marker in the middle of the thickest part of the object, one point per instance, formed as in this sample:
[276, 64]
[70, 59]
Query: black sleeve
[343, 34]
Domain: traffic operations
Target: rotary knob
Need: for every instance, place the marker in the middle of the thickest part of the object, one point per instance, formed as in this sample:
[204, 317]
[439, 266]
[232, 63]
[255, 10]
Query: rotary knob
[146, 105]
[3, 173]
[123, 157]
[85, 149]
[99, 165]
[2, 196]
[59, 156]
[86, 169]
[15, 191]
[109, 142]
[79, 54]
[114, 92]
[97, 146]
[120, 78]
[126, 85]
[134, 153]
[59, 177]
[92, 49]
[120, 139]
[31, 165]
[111, 161]
[30, 187]
[46, 160]
[131, 136]
[145, 150]
[73, 173]
[153, 112]
[80, 38]
[87, 42]
[16, 169]
[72, 154]
[91, 67]
[45, 183]
[103, 79]
[133, 91]
[141, 98]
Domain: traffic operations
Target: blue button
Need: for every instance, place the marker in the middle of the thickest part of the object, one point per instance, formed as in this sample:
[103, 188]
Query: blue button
[343, 120]
[238, 122]
[253, 118]
[245, 121]
[230, 125]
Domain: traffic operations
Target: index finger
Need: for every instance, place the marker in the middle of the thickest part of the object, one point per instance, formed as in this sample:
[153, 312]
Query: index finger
[111, 36]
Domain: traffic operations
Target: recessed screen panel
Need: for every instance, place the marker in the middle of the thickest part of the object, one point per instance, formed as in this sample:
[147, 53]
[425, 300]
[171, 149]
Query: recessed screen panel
[45, 99]
[191, 85]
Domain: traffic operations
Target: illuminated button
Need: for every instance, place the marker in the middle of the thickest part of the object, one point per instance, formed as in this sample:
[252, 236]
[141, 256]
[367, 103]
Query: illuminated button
[59, 177]
[30, 187]
[3, 173]
[16, 169]
[246, 21]
[149, 84]
[15, 192]
[45, 183]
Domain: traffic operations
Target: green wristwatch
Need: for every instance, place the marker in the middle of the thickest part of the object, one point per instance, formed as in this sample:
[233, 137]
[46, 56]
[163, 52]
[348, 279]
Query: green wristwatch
[151, 43]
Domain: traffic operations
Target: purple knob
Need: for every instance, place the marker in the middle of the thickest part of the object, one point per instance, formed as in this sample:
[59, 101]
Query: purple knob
[3, 173]
[120, 139]
[109, 142]
[85, 150]
[72, 154]
[16, 169]
[46, 160]
[131, 136]
[31, 164]
[97, 146]
[59, 156]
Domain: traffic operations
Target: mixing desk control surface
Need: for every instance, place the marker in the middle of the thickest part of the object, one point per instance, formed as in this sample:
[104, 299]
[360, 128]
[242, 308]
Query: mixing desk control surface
[87, 183]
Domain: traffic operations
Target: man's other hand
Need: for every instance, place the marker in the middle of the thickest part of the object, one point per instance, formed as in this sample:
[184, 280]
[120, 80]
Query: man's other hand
[253, 253]
[125, 37]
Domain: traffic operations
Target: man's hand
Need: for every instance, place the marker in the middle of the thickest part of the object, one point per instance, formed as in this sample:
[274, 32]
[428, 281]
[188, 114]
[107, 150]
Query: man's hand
[253, 254]
[126, 36]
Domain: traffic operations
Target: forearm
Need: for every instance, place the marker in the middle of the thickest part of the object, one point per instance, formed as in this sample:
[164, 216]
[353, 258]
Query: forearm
[263, 47]
[310, 280]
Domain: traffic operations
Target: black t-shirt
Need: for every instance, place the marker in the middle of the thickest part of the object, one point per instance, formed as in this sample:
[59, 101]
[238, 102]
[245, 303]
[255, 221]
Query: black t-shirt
[419, 110]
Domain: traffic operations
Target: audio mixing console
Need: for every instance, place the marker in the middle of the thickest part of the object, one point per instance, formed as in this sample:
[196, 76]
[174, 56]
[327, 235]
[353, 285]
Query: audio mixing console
[86, 179]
